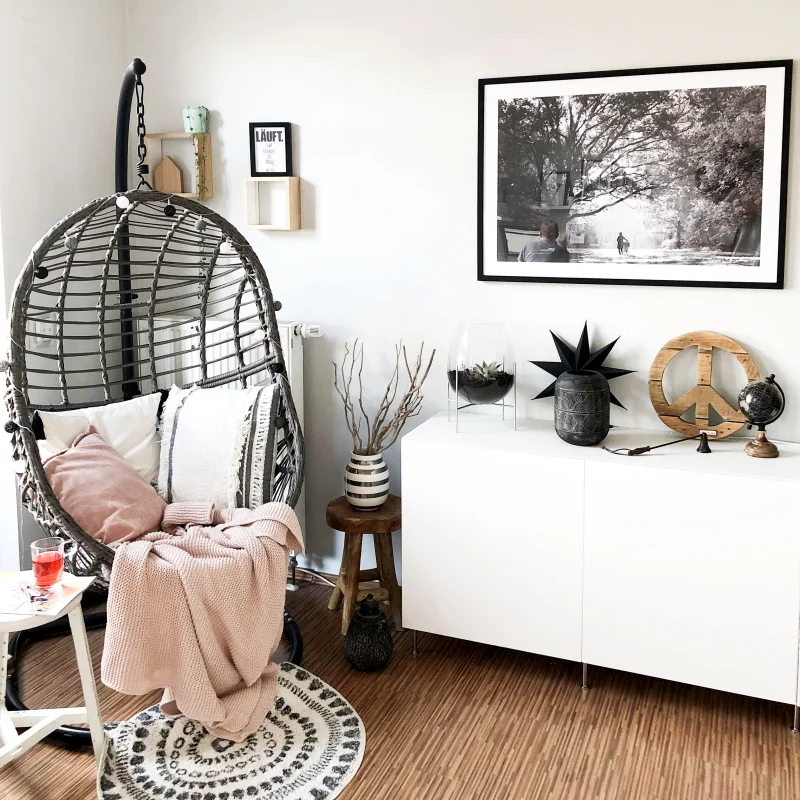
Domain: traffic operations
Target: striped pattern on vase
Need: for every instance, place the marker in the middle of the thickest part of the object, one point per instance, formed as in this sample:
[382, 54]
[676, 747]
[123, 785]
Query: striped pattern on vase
[366, 481]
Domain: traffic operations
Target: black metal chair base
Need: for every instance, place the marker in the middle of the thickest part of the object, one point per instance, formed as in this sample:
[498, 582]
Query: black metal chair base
[71, 736]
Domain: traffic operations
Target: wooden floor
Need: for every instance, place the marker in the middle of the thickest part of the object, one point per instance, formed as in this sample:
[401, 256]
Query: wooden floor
[470, 721]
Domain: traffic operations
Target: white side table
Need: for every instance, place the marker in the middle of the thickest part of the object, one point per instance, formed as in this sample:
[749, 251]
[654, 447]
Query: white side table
[42, 722]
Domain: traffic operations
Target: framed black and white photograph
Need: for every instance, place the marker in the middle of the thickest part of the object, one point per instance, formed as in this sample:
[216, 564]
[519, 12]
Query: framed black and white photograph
[674, 176]
[270, 149]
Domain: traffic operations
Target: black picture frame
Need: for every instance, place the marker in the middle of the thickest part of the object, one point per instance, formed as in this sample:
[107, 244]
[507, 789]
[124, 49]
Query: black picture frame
[482, 235]
[286, 128]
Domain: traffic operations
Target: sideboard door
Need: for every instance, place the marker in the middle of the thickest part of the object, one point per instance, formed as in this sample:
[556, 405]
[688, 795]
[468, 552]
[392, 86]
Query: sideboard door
[693, 577]
[492, 546]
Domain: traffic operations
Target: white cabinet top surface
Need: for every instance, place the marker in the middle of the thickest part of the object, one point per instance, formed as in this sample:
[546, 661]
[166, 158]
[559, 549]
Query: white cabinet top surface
[538, 437]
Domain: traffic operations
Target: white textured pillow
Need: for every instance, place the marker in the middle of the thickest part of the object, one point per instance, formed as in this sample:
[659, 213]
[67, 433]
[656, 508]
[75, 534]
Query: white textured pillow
[129, 427]
[218, 446]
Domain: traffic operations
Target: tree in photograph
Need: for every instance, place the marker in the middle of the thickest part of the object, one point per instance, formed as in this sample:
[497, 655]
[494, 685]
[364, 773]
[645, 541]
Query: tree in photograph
[709, 189]
[579, 155]
[727, 146]
[695, 157]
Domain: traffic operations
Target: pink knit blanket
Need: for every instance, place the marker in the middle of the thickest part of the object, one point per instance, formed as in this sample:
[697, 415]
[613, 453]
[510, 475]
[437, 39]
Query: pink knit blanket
[197, 610]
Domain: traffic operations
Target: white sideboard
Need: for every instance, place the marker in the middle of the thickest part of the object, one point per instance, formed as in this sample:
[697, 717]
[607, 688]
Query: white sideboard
[675, 564]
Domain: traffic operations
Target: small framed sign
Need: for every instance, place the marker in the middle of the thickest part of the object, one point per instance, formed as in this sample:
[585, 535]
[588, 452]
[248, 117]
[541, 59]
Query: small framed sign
[270, 149]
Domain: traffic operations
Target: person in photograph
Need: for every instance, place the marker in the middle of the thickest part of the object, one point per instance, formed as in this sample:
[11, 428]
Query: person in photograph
[534, 248]
[560, 252]
[543, 247]
[622, 244]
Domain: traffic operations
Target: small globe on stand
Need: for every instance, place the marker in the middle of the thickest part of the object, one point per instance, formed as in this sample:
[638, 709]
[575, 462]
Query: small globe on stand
[762, 402]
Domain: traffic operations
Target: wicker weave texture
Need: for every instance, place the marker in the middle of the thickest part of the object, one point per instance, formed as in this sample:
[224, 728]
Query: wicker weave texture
[197, 309]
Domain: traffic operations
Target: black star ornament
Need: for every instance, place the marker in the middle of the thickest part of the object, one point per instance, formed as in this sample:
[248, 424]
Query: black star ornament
[580, 358]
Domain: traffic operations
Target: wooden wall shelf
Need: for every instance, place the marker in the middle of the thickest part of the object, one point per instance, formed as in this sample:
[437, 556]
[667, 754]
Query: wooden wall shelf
[272, 204]
[203, 183]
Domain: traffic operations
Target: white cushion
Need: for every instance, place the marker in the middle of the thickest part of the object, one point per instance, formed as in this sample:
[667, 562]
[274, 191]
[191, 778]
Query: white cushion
[129, 427]
[218, 446]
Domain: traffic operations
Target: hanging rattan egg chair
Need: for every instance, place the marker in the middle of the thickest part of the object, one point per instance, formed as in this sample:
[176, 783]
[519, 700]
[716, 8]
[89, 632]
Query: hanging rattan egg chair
[194, 307]
[126, 296]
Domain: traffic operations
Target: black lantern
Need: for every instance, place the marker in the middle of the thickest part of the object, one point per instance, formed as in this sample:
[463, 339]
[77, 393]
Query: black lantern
[368, 644]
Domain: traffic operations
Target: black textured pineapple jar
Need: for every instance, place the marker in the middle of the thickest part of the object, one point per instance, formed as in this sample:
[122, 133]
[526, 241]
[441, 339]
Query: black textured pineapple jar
[582, 407]
[368, 644]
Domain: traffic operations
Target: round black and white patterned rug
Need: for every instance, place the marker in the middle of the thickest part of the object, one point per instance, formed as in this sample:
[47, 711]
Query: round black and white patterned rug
[308, 748]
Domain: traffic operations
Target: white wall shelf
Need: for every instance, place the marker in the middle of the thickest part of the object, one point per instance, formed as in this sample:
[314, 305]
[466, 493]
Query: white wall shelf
[272, 204]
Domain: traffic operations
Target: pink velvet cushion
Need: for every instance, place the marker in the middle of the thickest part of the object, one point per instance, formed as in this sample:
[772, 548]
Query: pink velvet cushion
[102, 492]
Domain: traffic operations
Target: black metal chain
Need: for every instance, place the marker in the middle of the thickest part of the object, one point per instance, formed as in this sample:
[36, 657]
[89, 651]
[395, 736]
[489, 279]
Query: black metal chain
[141, 131]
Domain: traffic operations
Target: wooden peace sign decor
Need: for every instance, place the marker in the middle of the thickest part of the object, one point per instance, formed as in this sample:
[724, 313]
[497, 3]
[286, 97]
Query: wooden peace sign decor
[703, 395]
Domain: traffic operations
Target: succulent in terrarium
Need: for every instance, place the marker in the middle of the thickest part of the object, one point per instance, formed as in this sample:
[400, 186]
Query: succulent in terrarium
[486, 382]
[480, 364]
[484, 372]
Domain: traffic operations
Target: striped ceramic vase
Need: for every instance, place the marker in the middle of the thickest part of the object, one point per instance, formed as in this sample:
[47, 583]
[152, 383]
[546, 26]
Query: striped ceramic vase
[366, 481]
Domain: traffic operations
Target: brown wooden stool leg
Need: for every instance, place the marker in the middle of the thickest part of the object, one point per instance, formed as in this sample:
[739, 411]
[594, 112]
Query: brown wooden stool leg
[352, 572]
[384, 555]
[336, 594]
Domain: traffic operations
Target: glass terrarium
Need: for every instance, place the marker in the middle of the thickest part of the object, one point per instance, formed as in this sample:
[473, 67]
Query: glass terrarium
[480, 366]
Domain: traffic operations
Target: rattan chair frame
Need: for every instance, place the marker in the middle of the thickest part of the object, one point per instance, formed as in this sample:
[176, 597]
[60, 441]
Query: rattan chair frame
[83, 290]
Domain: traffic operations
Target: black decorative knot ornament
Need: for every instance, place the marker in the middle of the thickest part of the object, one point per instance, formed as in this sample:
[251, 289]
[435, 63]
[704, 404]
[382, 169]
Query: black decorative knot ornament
[169, 210]
[41, 272]
[581, 358]
[368, 644]
[277, 368]
[11, 426]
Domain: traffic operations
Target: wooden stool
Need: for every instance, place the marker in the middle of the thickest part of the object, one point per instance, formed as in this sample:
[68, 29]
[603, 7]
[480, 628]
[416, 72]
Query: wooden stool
[42, 722]
[341, 516]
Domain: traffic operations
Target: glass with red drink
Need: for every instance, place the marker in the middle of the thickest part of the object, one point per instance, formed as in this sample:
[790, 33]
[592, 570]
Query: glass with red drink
[47, 556]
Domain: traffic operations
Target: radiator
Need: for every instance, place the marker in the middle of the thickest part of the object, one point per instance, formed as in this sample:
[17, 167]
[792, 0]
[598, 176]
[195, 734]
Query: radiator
[177, 351]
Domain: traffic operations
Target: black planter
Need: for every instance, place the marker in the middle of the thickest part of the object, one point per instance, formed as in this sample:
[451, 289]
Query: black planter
[582, 407]
[368, 644]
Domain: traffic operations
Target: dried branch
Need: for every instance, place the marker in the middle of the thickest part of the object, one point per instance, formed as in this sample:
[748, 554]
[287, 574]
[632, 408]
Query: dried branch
[386, 401]
[361, 390]
[381, 435]
[353, 424]
[409, 406]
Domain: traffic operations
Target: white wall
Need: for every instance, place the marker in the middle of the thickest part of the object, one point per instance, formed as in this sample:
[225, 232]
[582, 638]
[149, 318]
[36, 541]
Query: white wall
[61, 65]
[383, 98]
[9, 556]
